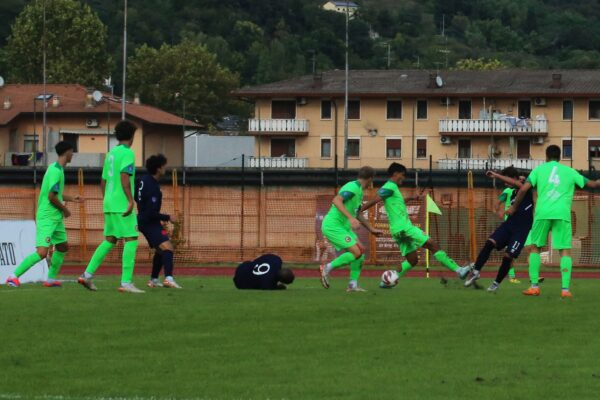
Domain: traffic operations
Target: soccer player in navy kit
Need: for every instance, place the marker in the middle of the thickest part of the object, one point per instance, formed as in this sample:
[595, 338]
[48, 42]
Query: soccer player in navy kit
[263, 273]
[150, 221]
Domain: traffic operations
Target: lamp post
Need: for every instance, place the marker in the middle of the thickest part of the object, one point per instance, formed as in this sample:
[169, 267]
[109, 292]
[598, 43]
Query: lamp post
[346, 90]
[45, 98]
[124, 59]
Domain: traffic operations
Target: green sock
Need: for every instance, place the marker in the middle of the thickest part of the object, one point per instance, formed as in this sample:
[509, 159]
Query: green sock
[511, 273]
[566, 265]
[129, 249]
[342, 260]
[355, 268]
[27, 263]
[55, 263]
[446, 261]
[535, 262]
[99, 256]
[405, 267]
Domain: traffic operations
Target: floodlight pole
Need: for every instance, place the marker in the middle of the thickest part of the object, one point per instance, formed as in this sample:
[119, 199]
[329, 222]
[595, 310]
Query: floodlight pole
[44, 73]
[346, 91]
[124, 60]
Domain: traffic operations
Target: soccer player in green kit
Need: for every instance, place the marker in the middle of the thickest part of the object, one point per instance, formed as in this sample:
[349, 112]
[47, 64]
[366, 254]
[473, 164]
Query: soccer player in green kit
[338, 225]
[120, 222]
[408, 237]
[50, 225]
[555, 184]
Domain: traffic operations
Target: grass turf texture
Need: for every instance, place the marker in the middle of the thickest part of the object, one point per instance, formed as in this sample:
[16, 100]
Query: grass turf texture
[420, 340]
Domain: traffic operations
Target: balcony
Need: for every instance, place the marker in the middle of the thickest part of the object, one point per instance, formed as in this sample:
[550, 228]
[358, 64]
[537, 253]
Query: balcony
[487, 163]
[502, 127]
[276, 162]
[278, 127]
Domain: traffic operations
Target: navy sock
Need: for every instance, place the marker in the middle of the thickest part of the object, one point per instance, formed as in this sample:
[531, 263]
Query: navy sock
[484, 255]
[167, 259]
[156, 265]
[504, 268]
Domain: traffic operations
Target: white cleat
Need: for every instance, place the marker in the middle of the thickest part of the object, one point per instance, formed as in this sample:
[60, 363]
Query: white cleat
[462, 272]
[171, 284]
[129, 288]
[493, 288]
[474, 276]
[324, 276]
[154, 283]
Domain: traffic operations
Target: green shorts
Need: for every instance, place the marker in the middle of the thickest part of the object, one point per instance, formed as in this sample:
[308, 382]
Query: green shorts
[115, 224]
[562, 233]
[50, 232]
[410, 239]
[528, 241]
[340, 237]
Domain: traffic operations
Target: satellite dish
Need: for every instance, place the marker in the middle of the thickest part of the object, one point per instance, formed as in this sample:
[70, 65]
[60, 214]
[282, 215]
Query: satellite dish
[1, 81]
[97, 96]
[439, 82]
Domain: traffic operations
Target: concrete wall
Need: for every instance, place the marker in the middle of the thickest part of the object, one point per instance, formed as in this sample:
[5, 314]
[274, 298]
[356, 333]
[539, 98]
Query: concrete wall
[217, 151]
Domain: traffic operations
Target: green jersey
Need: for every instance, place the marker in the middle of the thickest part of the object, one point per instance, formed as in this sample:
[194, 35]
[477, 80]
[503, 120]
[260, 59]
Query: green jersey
[120, 159]
[352, 194]
[395, 207]
[555, 184]
[54, 181]
[506, 197]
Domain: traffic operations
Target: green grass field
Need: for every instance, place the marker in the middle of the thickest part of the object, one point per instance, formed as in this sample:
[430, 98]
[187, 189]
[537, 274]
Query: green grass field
[418, 341]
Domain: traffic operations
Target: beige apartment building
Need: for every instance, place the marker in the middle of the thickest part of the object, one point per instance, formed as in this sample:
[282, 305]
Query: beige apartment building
[73, 114]
[471, 119]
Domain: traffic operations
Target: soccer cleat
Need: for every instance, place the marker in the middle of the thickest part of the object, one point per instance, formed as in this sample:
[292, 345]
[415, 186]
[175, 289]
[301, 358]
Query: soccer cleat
[515, 281]
[87, 283]
[542, 279]
[324, 276]
[13, 282]
[566, 294]
[355, 289]
[532, 291]
[474, 276]
[171, 284]
[154, 283]
[129, 288]
[462, 272]
[493, 287]
[52, 284]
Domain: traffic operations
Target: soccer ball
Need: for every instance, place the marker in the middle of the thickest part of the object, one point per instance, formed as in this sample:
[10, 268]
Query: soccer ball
[390, 278]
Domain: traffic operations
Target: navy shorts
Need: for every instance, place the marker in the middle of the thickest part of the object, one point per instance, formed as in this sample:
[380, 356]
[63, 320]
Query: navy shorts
[512, 236]
[155, 234]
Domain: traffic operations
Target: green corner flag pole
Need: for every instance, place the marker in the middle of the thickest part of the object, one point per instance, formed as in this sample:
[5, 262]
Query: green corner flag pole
[430, 207]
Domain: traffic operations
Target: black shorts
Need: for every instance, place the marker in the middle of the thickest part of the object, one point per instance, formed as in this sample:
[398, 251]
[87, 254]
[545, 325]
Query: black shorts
[155, 234]
[512, 236]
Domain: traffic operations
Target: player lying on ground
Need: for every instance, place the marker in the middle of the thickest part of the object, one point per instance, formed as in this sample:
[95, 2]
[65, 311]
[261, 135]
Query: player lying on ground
[265, 273]
[148, 197]
[511, 234]
[50, 225]
[338, 227]
[555, 184]
[408, 237]
[118, 175]
[504, 201]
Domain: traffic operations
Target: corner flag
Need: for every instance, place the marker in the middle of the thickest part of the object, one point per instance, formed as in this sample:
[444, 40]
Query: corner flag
[430, 207]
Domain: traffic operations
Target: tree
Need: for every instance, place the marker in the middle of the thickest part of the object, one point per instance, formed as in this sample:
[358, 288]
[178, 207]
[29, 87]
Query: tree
[185, 74]
[479, 64]
[75, 41]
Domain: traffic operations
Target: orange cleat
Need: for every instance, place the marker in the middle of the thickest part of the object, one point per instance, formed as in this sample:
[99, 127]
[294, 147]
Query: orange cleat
[566, 294]
[13, 282]
[532, 291]
[52, 284]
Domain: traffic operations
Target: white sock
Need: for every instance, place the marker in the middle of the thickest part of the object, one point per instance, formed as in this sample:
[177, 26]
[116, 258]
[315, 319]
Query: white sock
[169, 278]
[353, 284]
[87, 275]
[328, 268]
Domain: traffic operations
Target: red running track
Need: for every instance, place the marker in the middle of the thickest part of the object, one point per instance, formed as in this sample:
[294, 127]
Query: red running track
[418, 272]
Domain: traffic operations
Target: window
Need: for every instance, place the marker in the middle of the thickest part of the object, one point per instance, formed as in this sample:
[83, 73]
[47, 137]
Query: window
[524, 109]
[524, 148]
[283, 109]
[464, 148]
[354, 148]
[325, 148]
[594, 109]
[567, 110]
[283, 148]
[30, 143]
[464, 109]
[393, 148]
[567, 148]
[421, 109]
[594, 149]
[421, 148]
[353, 109]
[325, 109]
[73, 139]
[394, 109]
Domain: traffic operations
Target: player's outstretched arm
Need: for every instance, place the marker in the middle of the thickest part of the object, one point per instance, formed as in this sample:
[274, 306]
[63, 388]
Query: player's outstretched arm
[593, 184]
[367, 225]
[125, 184]
[371, 203]
[519, 198]
[505, 179]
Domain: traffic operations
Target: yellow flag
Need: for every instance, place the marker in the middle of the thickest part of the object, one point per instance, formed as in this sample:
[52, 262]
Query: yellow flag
[432, 207]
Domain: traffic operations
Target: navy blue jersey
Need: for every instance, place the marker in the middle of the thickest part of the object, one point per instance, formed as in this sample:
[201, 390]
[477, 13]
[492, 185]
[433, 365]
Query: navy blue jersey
[149, 200]
[524, 214]
[262, 273]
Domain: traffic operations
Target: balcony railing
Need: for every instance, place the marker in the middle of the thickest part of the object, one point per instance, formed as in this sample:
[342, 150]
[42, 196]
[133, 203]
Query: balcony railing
[276, 162]
[487, 163]
[508, 125]
[278, 125]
